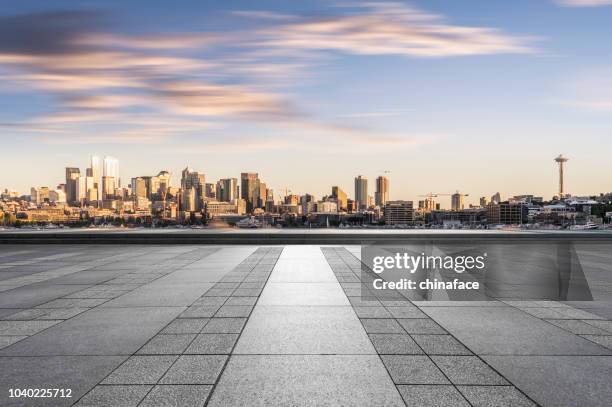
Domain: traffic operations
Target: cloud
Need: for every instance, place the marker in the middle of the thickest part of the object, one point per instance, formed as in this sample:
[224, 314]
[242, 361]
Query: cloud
[584, 3]
[391, 29]
[176, 84]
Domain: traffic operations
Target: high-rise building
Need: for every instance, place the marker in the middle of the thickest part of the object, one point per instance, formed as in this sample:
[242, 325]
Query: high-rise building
[85, 190]
[95, 172]
[72, 175]
[483, 201]
[249, 189]
[139, 187]
[164, 181]
[382, 191]
[361, 192]
[108, 187]
[340, 196]
[110, 170]
[211, 191]
[193, 179]
[496, 198]
[457, 202]
[227, 189]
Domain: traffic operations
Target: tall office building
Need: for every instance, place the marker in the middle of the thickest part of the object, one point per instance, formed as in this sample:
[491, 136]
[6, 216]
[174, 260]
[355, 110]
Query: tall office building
[72, 175]
[193, 180]
[249, 189]
[340, 196]
[382, 191]
[164, 181]
[110, 169]
[95, 172]
[227, 189]
[211, 191]
[86, 190]
[139, 187]
[457, 202]
[361, 192]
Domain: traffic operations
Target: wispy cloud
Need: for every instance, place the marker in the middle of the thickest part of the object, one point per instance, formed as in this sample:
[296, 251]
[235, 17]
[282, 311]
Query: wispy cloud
[392, 29]
[175, 84]
[584, 3]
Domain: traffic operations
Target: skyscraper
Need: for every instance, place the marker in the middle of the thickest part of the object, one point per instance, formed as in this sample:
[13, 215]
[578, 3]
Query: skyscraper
[95, 172]
[249, 189]
[457, 202]
[361, 192]
[227, 189]
[382, 191]
[340, 196]
[72, 175]
[110, 170]
[193, 180]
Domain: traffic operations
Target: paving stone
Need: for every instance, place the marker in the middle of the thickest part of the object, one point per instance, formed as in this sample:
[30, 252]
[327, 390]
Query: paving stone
[606, 325]
[421, 326]
[241, 301]
[234, 311]
[225, 325]
[364, 302]
[559, 381]
[485, 396]
[116, 396]
[303, 330]
[26, 315]
[170, 344]
[185, 326]
[406, 312]
[247, 292]
[9, 340]
[432, 396]
[195, 369]
[381, 326]
[305, 380]
[468, 370]
[399, 344]
[200, 311]
[603, 340]
[212, 344]
[409, 369]
[176, 396]
[441, 345]
[25, 327]
[371, 312]
[578, 327]
[62, 313]
[140, 370]
[210, 301]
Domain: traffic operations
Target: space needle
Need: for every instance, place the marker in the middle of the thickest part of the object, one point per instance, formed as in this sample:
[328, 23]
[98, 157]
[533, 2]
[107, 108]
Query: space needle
[560, 160]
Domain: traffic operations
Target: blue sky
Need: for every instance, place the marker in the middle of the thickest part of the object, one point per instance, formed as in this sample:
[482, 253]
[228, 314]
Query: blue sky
[476, 96]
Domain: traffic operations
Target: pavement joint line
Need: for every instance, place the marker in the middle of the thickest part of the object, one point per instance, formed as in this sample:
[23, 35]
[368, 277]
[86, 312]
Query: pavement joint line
[336, 251]
[207, 251]
[251, 269]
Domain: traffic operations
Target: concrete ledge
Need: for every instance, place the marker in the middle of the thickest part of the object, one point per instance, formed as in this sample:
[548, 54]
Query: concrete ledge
[266, 237]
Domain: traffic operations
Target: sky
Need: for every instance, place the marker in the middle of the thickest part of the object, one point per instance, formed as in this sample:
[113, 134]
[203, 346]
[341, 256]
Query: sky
[438, 95]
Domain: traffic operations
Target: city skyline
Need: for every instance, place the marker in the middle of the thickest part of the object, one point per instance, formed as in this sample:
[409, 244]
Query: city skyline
[104, 175]
[477, 97]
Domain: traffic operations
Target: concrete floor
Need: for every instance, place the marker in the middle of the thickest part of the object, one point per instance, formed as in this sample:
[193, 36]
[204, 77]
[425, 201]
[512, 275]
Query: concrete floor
[282, 325]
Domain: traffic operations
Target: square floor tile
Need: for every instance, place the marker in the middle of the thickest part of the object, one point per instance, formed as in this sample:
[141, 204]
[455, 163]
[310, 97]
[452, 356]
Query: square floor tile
[224, 326]
[395, 344]
[212, 344]
[140, 370]
[381, 326]
[421, 326]
[195, 369]
[485, 396]
[432, 396]
[177, 396]
[468, 370]
[441, 345]
[171, 344]
[185, 326]
[120, 396]
[409, 369]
